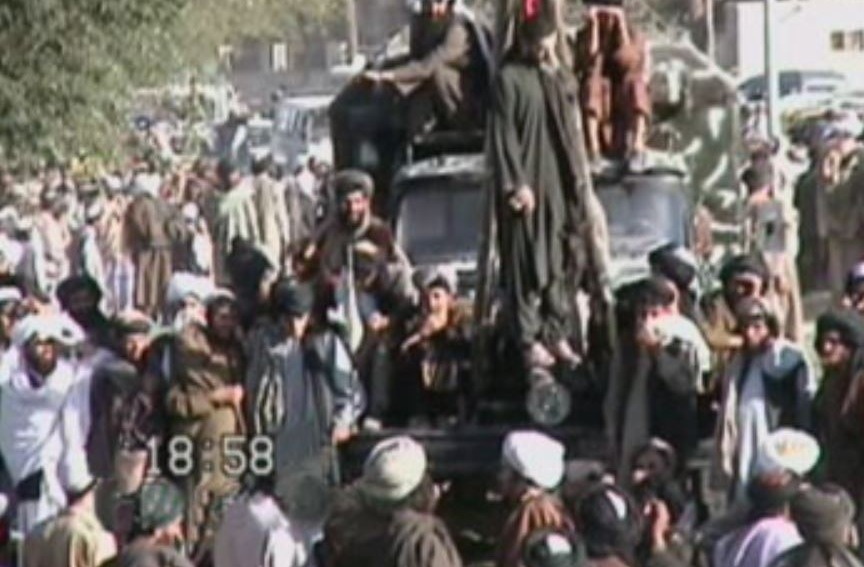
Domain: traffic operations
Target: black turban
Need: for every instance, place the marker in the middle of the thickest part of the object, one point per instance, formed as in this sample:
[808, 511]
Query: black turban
[292, 298]
[668, 261]
[756, 177]
[847, 322]
[608, 521]
[769, 492]
[655, 292]
[744, 264]
[72, 285]
[352, 181]
[854, 278]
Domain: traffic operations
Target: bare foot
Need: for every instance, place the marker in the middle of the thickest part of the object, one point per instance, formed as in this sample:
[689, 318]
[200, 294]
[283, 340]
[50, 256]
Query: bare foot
[565, 353]
[539, 355]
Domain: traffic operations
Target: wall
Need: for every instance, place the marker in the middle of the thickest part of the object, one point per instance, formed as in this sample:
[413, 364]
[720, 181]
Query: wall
[811, 34]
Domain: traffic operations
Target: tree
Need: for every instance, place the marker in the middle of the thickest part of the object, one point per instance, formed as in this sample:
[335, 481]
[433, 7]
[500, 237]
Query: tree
[65, 66]
[68, 68]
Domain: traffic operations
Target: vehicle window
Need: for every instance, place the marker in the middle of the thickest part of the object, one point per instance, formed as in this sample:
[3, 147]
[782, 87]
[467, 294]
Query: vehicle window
[437, 222]
[259, 136]
[643, 216]
[320, 124]
[789, 83]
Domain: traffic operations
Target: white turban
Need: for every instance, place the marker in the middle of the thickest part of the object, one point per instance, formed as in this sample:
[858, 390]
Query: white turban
[394, 469]
[190, 212]
[536, 457]
[52, 326]
[11, 251]
[183, 284]
[147, 184]
[788, 450]
[10, 293]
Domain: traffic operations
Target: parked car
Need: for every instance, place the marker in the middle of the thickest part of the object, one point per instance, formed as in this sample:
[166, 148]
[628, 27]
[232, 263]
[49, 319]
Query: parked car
[302, 129]
[795, 82]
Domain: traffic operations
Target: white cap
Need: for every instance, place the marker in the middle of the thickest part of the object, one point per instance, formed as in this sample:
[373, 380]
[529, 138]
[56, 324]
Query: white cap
[50, 326]
[536, 457]
[788, 450]
[190, 212]
[147, 184]
[183, 284]
[10, 293]
[394, 469]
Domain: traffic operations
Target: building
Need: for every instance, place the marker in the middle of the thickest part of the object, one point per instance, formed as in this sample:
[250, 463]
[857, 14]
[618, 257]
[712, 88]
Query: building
[810, 35]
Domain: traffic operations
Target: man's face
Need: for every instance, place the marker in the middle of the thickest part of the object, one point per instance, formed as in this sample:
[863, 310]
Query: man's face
[833, 352]
[135, 346]
[544, 48]
[743, 286]
[355, 208]
[855, 300]
[296, 325]
[171, 534]
[756, 334]
[649, 465]
[82, 304]
[224, 322]
[42, 356]
[439, 10]
[8, 317]
[438, 300]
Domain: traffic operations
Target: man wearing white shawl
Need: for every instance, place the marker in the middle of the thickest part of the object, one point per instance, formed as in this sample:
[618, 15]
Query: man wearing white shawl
[44, 413]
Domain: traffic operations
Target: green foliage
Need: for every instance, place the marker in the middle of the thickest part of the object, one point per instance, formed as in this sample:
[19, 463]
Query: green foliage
[68, 67]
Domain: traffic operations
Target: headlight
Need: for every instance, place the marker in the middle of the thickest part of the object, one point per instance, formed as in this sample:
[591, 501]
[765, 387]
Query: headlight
[548, 402]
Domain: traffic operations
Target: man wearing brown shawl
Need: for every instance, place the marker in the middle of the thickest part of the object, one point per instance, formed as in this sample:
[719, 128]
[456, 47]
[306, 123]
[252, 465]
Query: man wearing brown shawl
[149, 234]
[386, 519]
[532, 468]
[205, 406]
[612, 63]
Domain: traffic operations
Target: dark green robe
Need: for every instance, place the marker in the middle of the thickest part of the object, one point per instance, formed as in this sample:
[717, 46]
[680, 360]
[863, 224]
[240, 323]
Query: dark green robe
[535, 142]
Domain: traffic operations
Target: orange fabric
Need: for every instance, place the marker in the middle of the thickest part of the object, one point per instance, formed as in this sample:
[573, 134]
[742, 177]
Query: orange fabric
[537, 510]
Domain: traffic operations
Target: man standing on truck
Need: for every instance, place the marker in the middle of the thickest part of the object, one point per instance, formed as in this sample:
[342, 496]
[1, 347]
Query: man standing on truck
[445, 81]
[538, 155]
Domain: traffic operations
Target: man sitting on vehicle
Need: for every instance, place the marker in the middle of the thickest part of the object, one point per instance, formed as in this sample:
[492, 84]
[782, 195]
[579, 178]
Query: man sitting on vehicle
[437, 354]
[445, 81]
[613, 66]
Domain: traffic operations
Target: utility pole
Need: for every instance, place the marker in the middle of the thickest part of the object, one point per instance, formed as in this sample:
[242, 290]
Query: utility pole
[709, 30]
[772, 73]
[351, 26]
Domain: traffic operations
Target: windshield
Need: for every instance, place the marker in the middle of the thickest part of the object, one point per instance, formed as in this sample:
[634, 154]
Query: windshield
[642, 219]
[259, 136]
[441, 221]
[302, 122]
